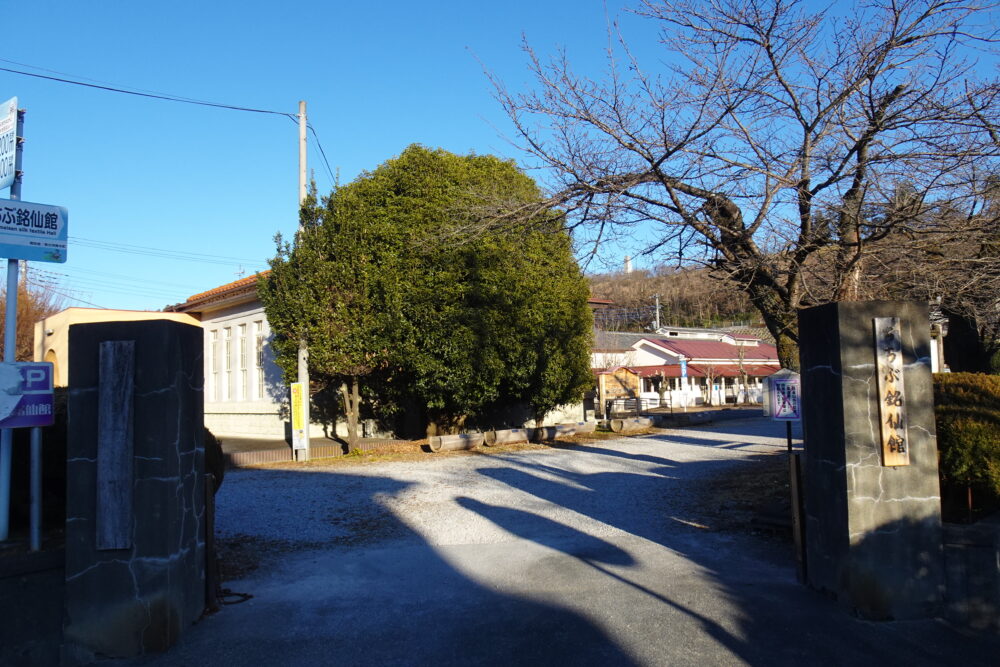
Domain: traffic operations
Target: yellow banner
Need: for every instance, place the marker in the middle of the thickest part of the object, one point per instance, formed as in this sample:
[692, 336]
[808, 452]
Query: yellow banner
[297, 411]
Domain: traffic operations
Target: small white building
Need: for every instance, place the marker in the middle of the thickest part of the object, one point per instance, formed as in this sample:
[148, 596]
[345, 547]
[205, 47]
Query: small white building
[680, 367]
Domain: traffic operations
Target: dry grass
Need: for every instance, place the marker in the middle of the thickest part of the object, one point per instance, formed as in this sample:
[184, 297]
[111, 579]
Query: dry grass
[753, 497]
[417, 450]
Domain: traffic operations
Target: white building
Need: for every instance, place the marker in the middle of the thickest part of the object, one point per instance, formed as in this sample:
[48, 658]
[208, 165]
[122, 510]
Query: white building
[682, 367]
[244, 390]
[245, 395]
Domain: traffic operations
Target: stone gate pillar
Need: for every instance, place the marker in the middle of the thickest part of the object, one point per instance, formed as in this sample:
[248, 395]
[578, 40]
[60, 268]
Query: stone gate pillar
[135, 543]
[873, 518]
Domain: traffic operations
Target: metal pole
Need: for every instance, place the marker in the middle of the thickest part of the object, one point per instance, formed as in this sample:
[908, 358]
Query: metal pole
[7, 435]
[10, 343]
[303, 355]
[35, 527]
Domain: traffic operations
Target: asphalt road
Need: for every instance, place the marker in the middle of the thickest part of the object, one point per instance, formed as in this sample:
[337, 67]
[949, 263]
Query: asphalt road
[594, 555]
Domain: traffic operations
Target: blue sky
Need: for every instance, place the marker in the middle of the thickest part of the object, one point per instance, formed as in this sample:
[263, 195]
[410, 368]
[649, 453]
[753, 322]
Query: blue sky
[142, 175]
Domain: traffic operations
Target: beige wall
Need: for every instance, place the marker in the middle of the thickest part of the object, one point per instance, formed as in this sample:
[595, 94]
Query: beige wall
[52, 333]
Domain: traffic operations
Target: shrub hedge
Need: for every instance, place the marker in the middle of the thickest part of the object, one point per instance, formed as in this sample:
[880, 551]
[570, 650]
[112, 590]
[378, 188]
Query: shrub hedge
[967, 412]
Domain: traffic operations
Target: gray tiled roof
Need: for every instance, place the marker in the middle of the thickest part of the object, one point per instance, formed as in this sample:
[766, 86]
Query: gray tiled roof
[616, 340]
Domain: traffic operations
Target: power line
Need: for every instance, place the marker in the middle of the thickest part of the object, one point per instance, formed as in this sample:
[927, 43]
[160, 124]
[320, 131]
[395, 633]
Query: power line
[168, 254]
[127, 287]
[117, 277]
[50, 283]
[64, 295]
[102, 85]
[322, 154]
[155, 96]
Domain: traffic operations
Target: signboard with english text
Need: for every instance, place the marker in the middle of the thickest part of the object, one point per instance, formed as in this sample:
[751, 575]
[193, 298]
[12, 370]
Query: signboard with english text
[35, 232]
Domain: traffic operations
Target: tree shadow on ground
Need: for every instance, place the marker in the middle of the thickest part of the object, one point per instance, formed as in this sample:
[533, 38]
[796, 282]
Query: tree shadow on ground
[781, 622]
[348, 579]
[354, 585]
[607, 451]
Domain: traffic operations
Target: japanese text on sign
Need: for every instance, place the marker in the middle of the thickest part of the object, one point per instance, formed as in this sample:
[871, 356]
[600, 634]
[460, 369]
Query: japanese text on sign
[26, 394]
[35, 232]
[298, 416]
[891, 392]
[8, 142]
[40, 222]
[785, 400]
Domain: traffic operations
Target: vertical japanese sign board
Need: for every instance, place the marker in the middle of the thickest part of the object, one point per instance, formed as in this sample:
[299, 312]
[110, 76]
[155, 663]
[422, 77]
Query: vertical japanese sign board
[891, 393]
[35, 232]
[26, 394]
[786, 398]
[8, 142]
[298, 416]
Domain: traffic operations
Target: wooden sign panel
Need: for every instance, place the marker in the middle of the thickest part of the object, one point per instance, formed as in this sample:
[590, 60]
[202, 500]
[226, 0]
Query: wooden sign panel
[891, 391]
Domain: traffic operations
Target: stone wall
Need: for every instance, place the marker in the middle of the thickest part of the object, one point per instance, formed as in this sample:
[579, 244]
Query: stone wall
[139, 594]
[873, 532]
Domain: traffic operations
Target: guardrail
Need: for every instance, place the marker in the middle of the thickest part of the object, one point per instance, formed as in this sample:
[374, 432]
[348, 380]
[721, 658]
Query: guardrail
[635, 406]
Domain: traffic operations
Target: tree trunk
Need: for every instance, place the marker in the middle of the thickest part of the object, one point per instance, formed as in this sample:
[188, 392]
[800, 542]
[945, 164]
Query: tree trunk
[352, 403]
[788, 351]
[781, 319]
[968, 504]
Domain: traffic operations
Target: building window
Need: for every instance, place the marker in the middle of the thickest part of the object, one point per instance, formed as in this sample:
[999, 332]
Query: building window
[244, 393]
[213, 361]
[227, 360]
[259, 356]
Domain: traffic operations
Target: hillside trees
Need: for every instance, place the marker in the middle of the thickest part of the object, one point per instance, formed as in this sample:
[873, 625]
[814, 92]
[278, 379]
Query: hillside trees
[775, 130]
[35, 301]
[399, 320]
[687, 297]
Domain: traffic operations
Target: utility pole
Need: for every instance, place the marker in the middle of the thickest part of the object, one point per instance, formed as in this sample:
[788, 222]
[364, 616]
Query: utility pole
[303, 356]
[657, 326]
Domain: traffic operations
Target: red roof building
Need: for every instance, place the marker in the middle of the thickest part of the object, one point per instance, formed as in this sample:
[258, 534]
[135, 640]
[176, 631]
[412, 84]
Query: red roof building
[697, 367]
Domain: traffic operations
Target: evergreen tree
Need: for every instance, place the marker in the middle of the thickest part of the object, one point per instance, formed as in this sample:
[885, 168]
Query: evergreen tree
[395, 313]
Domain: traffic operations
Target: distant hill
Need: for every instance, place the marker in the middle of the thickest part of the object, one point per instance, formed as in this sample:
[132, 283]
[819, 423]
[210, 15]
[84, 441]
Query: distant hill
[688, 298]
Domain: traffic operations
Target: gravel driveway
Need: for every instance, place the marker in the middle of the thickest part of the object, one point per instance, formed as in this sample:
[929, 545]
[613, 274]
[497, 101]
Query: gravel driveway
[593, 554]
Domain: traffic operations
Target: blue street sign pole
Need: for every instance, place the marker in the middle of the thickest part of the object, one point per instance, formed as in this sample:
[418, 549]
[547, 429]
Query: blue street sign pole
[684, 384]
[10, 343]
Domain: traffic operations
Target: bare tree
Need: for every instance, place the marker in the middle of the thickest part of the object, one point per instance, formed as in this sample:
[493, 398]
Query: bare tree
[773, 132]
[953, 261]
[36, 300]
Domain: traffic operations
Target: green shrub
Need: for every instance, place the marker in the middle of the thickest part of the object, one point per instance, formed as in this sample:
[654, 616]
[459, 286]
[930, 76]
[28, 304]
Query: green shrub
[967, 413]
